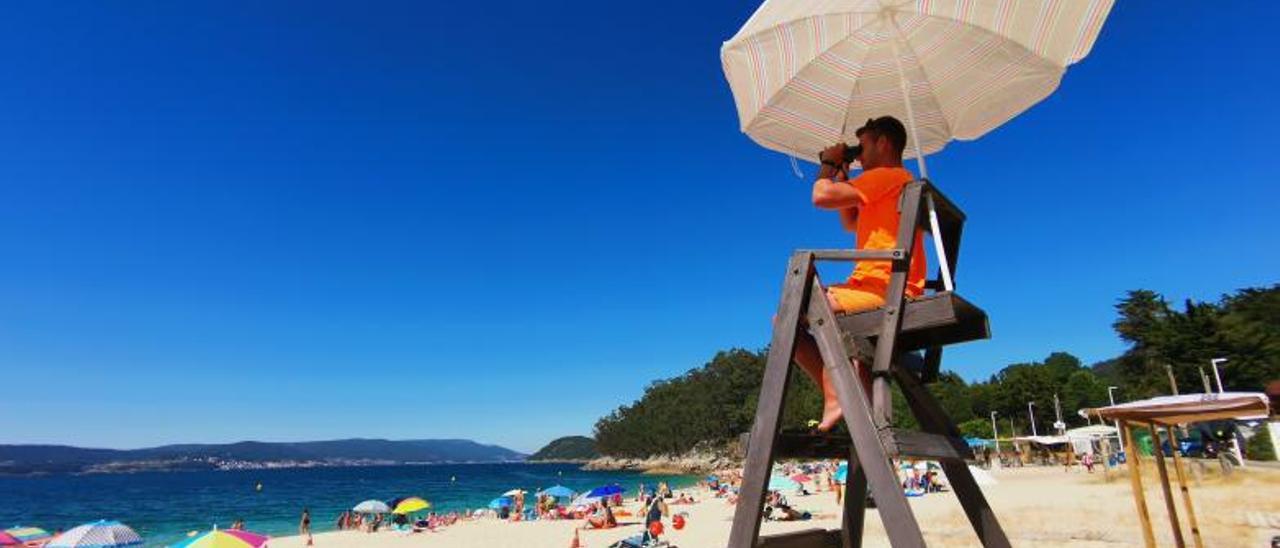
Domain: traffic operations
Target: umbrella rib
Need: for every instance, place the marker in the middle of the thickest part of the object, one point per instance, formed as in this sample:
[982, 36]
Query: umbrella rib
[906, 44]
[852, 33]
[986, 33]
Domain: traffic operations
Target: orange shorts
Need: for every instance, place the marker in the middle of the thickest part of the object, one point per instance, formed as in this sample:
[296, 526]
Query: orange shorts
[854, 298]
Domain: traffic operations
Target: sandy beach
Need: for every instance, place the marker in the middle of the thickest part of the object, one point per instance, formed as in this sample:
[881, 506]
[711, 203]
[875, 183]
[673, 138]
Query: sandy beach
[1037, 507]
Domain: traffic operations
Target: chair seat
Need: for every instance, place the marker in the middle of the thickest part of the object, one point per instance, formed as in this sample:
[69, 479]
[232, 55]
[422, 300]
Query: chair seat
[938, 319]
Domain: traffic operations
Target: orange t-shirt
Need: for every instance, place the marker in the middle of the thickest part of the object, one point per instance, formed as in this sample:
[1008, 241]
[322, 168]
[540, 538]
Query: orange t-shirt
[877, 228]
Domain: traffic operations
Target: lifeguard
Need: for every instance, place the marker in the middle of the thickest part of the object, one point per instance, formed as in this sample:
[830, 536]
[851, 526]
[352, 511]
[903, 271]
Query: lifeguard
[868, 206]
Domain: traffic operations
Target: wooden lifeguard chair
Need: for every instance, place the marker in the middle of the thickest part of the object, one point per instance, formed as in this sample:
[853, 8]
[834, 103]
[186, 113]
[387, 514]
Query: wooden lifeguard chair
[891, 338]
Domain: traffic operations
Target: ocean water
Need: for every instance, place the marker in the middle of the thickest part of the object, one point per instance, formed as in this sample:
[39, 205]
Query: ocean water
[164, 506]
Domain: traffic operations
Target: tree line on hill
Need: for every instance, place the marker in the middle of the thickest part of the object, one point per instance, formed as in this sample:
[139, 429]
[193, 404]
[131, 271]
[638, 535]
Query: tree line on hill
[715, 403]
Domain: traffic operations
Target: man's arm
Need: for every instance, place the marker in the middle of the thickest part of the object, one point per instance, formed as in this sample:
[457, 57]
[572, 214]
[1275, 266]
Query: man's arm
[831, 191]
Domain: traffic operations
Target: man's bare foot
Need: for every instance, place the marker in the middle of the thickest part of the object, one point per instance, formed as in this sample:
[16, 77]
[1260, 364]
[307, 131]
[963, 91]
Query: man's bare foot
[831, 414]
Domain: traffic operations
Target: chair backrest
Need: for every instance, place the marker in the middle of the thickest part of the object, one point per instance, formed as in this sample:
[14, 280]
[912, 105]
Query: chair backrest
[943, 222]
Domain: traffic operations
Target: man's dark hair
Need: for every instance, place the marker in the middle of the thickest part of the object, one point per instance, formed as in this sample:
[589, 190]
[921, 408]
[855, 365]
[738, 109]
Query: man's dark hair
[889, 128]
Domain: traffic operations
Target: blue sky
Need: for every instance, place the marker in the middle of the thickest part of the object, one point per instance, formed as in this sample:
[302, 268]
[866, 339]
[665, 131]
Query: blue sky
[309, 220]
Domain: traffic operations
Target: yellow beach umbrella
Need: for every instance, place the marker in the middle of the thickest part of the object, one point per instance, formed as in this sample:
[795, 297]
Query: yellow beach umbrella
[411, 505]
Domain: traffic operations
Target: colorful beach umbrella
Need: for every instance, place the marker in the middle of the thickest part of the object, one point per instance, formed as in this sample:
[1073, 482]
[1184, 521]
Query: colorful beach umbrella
[805, 75]
[514, 492]
[606, 491]
[782, 483]
[99, 534]
[27, 534]
[224, 538]
[558, 491]
[7, 540]
[372, 507]
[411, 505]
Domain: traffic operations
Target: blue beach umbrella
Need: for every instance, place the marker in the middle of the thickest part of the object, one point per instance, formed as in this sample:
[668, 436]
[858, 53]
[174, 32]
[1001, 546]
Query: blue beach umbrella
[606, 491]
[559, 491]
[500, 502]
[782, 483]
[99, 534]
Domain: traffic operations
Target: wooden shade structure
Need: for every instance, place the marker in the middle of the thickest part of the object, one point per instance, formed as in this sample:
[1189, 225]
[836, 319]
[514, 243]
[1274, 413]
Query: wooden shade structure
[1166, 412]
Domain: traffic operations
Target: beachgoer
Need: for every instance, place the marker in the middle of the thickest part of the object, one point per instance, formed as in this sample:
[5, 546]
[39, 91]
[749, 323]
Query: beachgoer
[868, 206]
[655, 509]
[602, 518]
[238, 524]
[304, 526]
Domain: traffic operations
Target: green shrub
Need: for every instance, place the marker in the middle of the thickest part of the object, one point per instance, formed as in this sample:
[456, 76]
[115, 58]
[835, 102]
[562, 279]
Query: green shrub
[1259, 446]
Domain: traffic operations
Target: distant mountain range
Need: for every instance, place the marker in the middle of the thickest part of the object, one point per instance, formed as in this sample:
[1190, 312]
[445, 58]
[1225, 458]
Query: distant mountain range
[54, 459]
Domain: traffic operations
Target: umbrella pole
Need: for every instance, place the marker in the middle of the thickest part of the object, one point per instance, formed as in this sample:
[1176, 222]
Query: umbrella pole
[906, 100]
[934, 227]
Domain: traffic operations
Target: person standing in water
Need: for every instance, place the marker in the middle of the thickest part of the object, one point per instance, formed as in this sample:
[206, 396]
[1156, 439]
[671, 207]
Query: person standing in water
[304, 526]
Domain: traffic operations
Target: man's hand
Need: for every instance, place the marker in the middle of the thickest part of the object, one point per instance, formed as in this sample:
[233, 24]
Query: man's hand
[833, 154]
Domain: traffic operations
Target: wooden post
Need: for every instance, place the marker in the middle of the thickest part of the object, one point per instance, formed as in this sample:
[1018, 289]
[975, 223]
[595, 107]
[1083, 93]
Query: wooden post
[855, 502]
[1135, 482]
[745, 532]
[1186, 493]
[899, 522]
[1164, 486]
[895, 300]
[933, 419]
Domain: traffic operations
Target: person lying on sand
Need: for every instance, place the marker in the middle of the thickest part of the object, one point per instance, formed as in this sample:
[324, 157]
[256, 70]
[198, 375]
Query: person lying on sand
[868, 206]
[683, 499]
[777, 509]
[602, 518]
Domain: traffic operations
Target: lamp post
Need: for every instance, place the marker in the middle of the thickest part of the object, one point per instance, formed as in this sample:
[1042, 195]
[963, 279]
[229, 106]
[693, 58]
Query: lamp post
[1058, 425]
[1032, 414]
[1217, 376]
[1235, 441]
[1112, 396]
[995, 435]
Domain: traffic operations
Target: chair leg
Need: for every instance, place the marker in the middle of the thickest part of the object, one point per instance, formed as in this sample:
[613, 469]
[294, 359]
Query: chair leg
[745, 532]
[899, 522]
[934, 420]
[855, 503]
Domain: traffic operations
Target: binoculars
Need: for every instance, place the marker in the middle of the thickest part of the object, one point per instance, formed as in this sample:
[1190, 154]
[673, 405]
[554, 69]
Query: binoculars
[851, 153]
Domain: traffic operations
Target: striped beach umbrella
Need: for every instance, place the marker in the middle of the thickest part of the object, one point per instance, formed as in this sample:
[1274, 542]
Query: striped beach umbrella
[27, 534]
[806, 75]
[224, 538]
[372, 507]
[8, 540]
[99, 534]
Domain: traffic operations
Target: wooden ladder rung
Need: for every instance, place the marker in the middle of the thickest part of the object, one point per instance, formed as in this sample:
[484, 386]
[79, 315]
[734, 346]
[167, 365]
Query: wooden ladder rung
[923, 445]
[812, 445]
[808, 538]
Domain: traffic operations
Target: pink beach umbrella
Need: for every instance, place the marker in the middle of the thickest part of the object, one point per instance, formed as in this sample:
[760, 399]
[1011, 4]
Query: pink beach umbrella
[225, 538]
[7, 540]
